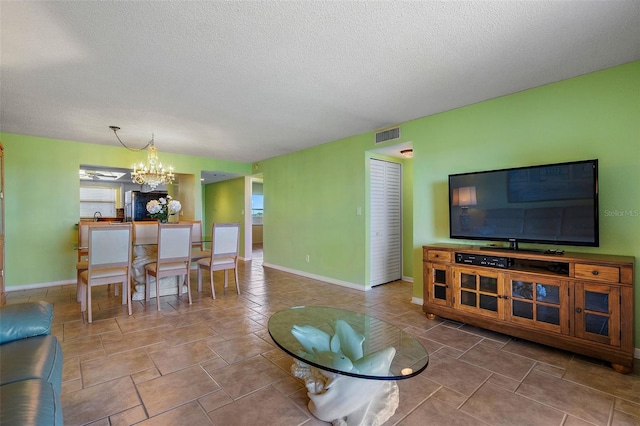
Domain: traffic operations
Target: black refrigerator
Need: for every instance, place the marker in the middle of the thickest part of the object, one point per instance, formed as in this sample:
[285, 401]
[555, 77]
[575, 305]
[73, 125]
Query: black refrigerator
[135, 204]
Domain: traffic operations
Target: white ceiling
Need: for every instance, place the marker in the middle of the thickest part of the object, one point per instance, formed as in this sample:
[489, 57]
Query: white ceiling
[246, 81]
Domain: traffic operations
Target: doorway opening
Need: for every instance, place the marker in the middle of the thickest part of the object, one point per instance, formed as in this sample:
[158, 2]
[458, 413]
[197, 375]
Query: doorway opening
[257, 217]
[385, 208]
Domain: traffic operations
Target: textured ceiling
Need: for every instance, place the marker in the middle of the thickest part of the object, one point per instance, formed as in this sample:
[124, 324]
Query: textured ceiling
[247, 81]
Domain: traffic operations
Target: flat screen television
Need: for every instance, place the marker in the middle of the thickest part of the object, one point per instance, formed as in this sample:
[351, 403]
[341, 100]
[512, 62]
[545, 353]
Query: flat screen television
[545, 204]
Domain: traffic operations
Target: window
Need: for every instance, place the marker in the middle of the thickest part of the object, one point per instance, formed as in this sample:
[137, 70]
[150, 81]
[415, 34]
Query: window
[257, 209]
[101, 199]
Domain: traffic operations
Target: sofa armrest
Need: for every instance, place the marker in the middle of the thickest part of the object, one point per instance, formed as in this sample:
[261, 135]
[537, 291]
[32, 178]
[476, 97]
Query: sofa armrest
[24, 320]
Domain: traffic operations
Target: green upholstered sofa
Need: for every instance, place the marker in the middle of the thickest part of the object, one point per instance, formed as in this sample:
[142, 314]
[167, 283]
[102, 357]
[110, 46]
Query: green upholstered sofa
[30, 366]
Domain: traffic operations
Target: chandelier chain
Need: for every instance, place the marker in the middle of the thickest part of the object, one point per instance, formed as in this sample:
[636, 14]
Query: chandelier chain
[152, 173]
[115, 132]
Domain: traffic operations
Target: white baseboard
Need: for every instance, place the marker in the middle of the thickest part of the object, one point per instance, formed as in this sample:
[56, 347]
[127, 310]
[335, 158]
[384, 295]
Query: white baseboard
[9, 289]
[319, 277]
[328, 279]
[416, 301]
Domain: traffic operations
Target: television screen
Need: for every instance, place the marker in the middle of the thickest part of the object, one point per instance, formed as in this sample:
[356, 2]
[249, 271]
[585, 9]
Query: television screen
[548, 204]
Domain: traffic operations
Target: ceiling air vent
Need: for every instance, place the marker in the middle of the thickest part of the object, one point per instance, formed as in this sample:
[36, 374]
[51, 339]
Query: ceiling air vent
[388, 135]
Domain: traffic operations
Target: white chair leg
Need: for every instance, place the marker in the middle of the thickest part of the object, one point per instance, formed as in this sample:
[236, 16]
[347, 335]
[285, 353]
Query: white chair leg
[226, 279]
[128, 294]
[147, 290]
[79, 289]
[199, 279]
[188, 281]
[89, 315]
[213, 291]
[157, 292]
[83, 297]
[235, 270]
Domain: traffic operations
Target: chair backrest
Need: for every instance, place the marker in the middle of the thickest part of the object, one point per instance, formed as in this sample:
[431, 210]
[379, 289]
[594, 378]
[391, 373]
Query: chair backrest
[145, 232]
[174, 242]
[109, 246]
[83, 236]
[196, 232]
[226, 239]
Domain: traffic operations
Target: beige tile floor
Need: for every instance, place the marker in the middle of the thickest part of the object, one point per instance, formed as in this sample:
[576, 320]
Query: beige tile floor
[214, 363]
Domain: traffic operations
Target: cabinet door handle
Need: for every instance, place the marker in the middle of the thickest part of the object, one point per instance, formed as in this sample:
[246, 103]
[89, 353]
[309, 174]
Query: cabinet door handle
[594, 272]
[506, 297]
[579, 310]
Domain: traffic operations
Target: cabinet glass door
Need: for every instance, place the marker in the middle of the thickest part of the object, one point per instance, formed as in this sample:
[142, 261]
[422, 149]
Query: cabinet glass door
[479, 291]
[597, 313]
[539, 303]
[438, 290]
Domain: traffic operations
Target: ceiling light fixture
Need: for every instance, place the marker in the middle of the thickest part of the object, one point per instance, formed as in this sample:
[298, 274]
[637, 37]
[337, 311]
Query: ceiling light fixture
[152, 173]
[407, 153]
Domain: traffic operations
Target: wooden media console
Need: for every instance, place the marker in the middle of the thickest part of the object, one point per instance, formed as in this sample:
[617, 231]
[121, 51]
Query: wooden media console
[578, 302]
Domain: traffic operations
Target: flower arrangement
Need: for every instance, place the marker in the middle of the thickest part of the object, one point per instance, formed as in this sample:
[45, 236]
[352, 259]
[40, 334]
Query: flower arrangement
[163, 207]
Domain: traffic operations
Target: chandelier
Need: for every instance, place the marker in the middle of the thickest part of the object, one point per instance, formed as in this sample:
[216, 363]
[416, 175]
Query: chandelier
[152, 173]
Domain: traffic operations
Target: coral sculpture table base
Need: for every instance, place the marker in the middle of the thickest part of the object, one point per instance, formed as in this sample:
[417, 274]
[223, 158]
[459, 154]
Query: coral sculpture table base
[348, 362]
[344, 400]
[143, 255]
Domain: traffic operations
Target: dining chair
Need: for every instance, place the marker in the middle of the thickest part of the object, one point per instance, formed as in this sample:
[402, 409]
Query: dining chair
[145, 232]
[197, 247]
[83, 251]
[145, 240]
[224, 254]
[174, 256]
[109, 262]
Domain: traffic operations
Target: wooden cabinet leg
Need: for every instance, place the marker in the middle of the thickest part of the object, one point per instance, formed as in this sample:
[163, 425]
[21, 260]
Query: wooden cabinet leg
[430, 316]
[622, 369]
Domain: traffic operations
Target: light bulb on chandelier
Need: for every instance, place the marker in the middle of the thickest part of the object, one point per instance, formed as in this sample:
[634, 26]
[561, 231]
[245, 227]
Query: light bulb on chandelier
[152, 173]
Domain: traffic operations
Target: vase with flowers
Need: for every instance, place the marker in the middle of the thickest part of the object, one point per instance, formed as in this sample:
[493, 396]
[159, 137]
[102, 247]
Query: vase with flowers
[163, 207]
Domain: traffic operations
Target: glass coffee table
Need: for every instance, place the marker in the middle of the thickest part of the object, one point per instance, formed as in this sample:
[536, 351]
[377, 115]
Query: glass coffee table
[349, 361]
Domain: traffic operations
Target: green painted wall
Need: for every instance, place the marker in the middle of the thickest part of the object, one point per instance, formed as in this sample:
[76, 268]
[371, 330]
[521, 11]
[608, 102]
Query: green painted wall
[42, 198]
[311, 203]
[311, 196]
[224, 202]
[592, 116]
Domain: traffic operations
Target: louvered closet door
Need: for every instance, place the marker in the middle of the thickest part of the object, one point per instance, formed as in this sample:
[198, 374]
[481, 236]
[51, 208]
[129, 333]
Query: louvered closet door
[386, 225]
